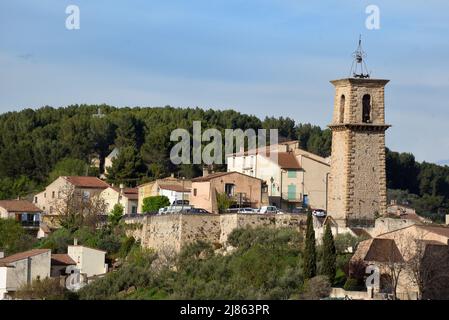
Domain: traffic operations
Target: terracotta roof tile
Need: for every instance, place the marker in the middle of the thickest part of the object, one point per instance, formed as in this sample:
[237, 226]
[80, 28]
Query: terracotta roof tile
[174, 187]
[19, 206]
[87, 182]
[287, 160]
[23, 255]
[62, 260]
[130, 193]
[440, 230]
[383, 250]
[219, 174]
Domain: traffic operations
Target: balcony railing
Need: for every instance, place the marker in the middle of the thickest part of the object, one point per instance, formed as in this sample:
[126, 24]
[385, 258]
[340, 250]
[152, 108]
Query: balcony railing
[30, 224]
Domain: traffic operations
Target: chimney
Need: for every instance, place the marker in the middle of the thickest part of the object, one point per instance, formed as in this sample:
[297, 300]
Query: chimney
[121, 188]
[2, 254]
[172, 175]
[205, 171]
[447, 219]
[75, 241]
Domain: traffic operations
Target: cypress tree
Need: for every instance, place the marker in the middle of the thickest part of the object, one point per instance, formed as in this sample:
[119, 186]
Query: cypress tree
[329, 255]
[309, 263]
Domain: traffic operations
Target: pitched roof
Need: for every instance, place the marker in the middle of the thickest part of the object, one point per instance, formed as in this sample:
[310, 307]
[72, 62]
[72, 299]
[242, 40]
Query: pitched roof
[62, 260]
[360, 232]
[130, 193]
[23, 255]
[19, 206]
[212, 176]
[81, 246]
[383, 250]
[87, 182]
[440, 230]
[287, 160]
[174, 187]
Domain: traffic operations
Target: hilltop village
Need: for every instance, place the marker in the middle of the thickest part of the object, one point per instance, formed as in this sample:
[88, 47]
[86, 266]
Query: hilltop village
[345, 193]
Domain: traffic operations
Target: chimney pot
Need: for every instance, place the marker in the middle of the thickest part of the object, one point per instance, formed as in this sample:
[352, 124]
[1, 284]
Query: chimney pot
[75, 242]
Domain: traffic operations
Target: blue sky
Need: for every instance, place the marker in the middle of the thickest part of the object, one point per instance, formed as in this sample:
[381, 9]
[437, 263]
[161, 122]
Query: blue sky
[262, 57]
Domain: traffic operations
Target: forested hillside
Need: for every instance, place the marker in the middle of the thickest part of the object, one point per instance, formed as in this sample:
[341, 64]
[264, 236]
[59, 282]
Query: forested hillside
[38, 145]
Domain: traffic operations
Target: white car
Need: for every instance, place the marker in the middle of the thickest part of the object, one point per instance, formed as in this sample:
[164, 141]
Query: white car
[320, 213]
[245, 210]
[269, 210]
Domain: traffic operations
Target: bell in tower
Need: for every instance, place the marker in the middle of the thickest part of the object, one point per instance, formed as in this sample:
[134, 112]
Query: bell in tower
[357, 183]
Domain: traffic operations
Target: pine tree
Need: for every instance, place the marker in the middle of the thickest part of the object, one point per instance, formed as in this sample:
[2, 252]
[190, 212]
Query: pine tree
[329, 255]
[309, 263]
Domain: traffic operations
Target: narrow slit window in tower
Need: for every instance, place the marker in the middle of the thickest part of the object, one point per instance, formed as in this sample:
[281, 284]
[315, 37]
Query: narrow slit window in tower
[342, 108]
[366, 112]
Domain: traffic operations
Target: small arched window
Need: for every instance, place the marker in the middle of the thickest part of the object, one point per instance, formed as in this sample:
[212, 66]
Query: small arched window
[366, 110]
[342, 109]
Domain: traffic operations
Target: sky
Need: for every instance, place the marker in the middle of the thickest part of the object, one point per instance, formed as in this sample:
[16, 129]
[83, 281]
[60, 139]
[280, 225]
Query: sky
[260, 57]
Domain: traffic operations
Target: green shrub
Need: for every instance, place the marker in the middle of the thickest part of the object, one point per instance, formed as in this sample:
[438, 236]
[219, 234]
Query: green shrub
[154, 203]
[352, 284]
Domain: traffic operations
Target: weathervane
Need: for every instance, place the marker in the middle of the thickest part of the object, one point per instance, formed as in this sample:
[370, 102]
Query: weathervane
[359, 68]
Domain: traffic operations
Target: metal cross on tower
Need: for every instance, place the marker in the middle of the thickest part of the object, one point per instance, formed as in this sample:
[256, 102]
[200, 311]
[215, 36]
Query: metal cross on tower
[358, 67]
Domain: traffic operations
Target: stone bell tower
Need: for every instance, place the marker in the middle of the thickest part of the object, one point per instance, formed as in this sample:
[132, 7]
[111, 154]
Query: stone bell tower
[357, 182]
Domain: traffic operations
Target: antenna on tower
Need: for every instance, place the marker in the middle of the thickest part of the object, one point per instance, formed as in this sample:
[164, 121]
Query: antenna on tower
[358, 67]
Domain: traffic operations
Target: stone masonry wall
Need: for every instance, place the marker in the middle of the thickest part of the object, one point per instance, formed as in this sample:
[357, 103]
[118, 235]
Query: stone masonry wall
[172, 232]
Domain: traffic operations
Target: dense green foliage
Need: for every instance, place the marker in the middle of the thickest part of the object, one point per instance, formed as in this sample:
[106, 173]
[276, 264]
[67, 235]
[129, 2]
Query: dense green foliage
[68, 167]
[329, 255]
[110, 238]
[223, 202]
[116, 214]
[13, 237]
[37, 145]
[154, 203]
[310, 255]
[265, 264]
[45, 289]
[426, 185]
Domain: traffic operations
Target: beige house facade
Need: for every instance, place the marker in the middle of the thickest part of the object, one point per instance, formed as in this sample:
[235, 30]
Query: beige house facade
[164, 186]
[21, 269]
[89, 261]
[293, 176]
[126, 197]
[22, 211]
[244, 190]
[402, 252]
[55, 193]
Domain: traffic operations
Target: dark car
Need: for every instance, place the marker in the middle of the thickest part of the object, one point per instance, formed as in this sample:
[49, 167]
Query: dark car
[198, 211]
[180, 203]
[299, 210]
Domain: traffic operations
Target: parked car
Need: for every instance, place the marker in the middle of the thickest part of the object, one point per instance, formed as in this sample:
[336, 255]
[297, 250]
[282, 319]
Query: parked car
[174, 209]
[269, 209]
[299, 210]
[197, 211]
[246, 210]
[320, 213]
[180, 203]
